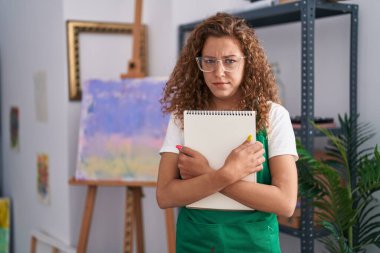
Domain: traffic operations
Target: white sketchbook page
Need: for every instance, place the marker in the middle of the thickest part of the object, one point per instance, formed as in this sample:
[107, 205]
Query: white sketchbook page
[215, 136]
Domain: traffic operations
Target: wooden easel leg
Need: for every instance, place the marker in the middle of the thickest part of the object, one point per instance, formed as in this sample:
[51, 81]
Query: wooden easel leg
[137, 195]
[86, 220]
[170, 229]
[133, 219]
[55, 250]
[33, 244]
[129, 221]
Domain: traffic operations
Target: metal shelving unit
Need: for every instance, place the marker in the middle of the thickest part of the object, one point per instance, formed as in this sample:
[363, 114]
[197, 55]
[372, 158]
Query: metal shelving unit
[306, 12]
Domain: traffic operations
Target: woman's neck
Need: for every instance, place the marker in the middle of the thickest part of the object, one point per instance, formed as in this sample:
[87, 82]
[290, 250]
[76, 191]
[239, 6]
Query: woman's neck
[223, 105]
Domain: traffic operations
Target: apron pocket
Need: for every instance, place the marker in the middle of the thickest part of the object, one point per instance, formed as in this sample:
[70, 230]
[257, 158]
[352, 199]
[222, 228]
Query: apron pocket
[199, 238]
[252, 237]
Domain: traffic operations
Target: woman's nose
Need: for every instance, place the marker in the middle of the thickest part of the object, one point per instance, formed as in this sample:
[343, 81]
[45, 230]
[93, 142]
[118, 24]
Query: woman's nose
[219, 68]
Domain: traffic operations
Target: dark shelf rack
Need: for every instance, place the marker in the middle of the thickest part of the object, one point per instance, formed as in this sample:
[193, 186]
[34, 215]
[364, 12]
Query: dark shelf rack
[318, 133]
[305, 12]
[318, 232]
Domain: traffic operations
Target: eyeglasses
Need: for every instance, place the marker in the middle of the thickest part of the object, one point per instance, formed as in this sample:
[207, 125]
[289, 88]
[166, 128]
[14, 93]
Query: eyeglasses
[209, 64]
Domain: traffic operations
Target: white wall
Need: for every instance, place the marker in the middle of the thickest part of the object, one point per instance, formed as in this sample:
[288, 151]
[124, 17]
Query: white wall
[33, 38]
[369, 55]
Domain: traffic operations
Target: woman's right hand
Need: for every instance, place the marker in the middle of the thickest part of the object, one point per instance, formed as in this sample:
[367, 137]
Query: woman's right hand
[244, 160]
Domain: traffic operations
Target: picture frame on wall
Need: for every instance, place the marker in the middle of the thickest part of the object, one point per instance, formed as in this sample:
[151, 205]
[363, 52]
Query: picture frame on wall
[91, 55]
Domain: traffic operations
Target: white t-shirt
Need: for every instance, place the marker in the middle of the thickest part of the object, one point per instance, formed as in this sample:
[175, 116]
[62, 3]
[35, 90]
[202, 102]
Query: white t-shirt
[281, 139]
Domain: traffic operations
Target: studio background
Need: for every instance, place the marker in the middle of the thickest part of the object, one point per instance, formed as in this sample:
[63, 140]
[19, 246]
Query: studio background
[33, 41]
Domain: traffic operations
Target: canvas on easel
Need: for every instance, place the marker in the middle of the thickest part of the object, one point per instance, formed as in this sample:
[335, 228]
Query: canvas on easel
[121, 130]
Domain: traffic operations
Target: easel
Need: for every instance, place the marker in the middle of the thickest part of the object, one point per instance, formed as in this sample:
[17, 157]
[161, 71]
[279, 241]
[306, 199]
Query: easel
[133, 208]
[133, 214]
[135, 69]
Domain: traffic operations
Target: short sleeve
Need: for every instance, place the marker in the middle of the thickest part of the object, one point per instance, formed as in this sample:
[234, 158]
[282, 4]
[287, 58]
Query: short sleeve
[281, 139]
[174, 136]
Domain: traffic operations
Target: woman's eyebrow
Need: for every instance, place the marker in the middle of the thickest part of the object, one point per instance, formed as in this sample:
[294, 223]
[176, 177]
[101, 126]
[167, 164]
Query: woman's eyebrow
[224, 56]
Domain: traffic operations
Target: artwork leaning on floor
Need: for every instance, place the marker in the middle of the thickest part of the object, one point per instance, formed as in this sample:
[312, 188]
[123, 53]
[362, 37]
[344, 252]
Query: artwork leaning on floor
[121, 130]
[4, 225]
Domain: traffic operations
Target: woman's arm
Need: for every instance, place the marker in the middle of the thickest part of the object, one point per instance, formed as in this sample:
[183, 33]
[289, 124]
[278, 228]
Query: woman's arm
[279, 198]
[199, 180]
[175, 192]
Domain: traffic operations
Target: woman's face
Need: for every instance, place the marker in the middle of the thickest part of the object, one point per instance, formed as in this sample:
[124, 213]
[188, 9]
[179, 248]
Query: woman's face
[225, 54]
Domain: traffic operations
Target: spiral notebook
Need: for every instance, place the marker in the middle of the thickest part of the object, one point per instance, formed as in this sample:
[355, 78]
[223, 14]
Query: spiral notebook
[215, 134]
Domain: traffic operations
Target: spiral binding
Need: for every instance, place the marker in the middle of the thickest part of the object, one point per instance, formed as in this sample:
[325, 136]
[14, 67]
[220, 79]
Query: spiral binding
[222, 113]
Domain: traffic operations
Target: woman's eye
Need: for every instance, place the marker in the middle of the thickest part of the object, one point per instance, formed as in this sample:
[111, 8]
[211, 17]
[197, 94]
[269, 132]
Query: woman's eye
[229, 61]
[209, 61]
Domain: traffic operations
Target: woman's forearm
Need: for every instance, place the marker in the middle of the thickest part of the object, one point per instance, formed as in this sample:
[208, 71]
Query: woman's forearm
[280, 197]
[266, 198]
[179, 192]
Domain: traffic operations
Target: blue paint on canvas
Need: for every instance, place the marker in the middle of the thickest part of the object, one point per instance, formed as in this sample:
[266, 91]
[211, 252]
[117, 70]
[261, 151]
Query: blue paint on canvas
[121, 130]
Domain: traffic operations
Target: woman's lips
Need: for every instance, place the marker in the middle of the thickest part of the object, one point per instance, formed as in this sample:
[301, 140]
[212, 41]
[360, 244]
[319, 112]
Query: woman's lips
[219, 84]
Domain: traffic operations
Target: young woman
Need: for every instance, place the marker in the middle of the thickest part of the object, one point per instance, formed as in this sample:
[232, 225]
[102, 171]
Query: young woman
[223, 67]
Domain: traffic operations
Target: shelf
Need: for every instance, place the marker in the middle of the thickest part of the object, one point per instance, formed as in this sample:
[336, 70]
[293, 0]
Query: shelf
[317, 133]
[289, 230]
[291, 12]
[318, 232]
[292, 225]
[282, 14]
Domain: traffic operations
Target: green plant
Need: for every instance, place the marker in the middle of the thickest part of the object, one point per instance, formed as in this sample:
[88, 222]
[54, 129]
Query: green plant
[342, 187]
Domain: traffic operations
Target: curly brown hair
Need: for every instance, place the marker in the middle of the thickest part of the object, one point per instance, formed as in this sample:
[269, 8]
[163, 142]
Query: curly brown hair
[186, 88]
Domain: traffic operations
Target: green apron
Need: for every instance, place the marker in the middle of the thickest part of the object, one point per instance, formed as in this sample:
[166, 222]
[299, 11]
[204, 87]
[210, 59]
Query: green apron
[215, 231]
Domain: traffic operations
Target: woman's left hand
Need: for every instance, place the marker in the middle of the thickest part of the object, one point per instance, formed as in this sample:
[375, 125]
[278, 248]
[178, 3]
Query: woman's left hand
[192, 163]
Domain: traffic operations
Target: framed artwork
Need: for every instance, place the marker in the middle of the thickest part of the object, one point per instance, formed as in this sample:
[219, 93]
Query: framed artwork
[43, 174]
[4, 225]
[14, 128]
[77, 30]
[121, 130]
[184, 33]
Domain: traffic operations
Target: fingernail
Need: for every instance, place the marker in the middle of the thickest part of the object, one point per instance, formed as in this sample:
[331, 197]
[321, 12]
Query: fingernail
[249, 138]
[179, 147]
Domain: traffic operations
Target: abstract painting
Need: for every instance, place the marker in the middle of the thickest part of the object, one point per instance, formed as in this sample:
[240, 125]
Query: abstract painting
[121, 130]
[43, 187]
